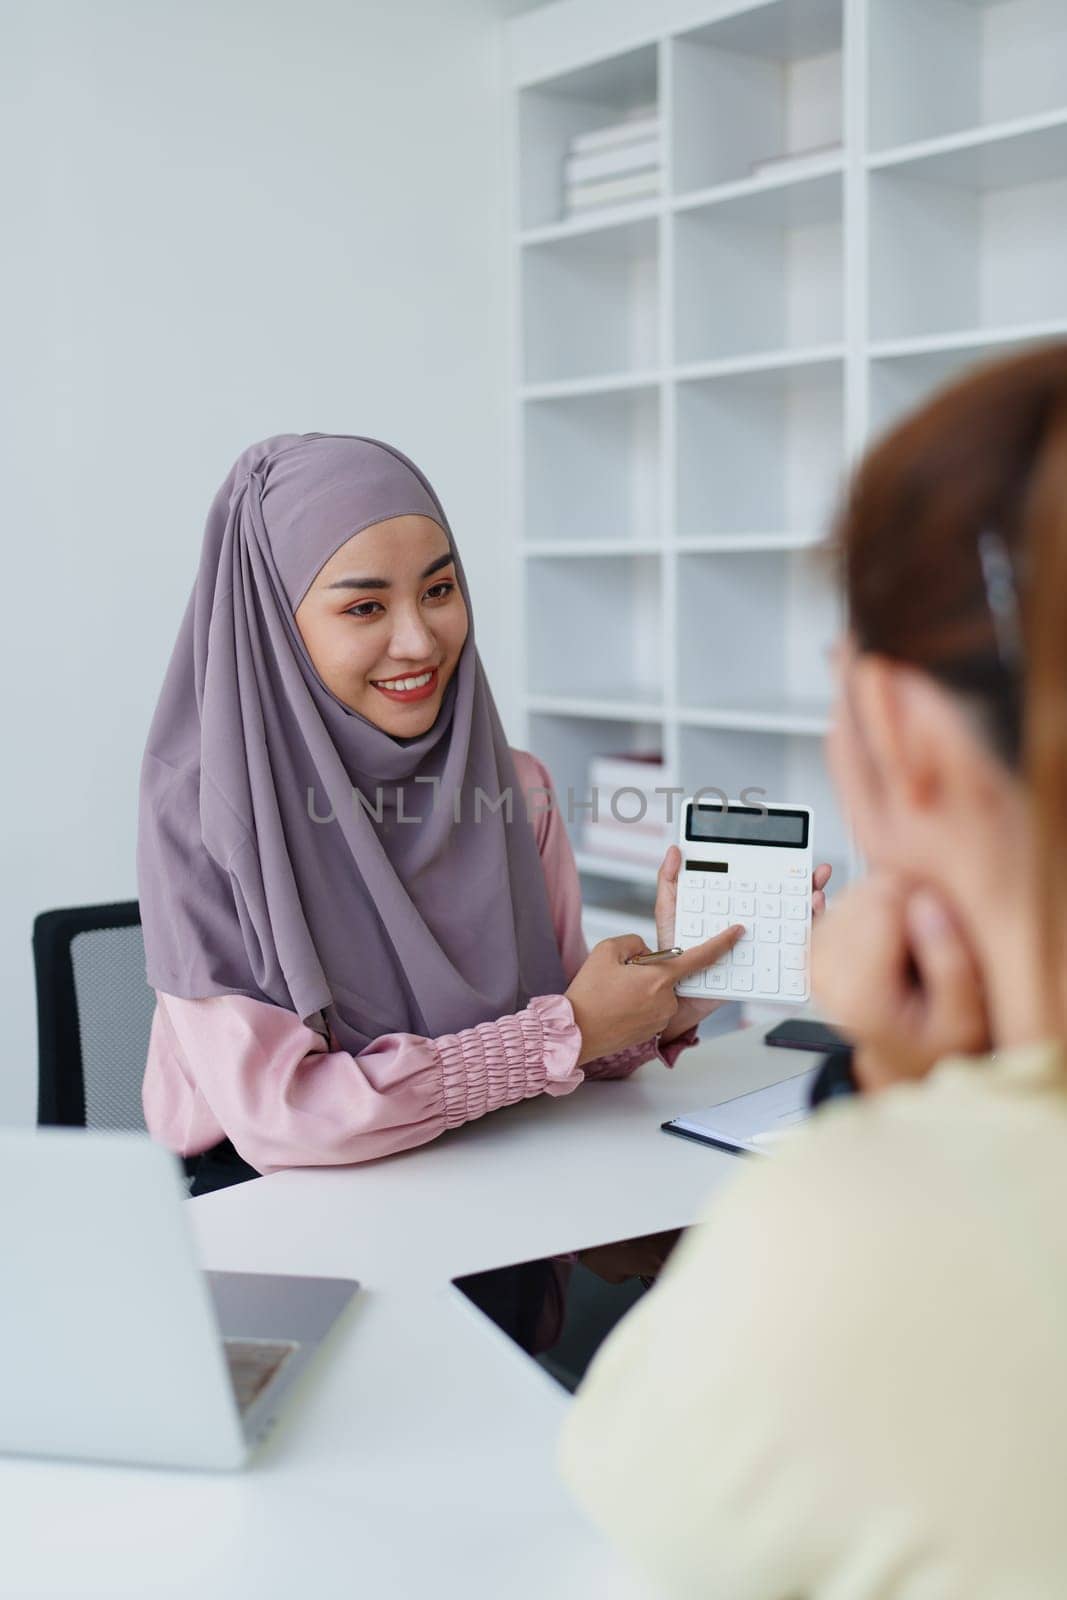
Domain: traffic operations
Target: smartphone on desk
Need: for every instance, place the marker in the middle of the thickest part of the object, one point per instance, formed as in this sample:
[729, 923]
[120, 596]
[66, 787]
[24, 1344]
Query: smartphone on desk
[801, 1033]
[835, 1076]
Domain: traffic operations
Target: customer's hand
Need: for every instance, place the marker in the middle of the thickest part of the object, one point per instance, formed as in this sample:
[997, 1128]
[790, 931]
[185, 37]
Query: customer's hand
[891, 968]
[616, 1005]
[691, 1011]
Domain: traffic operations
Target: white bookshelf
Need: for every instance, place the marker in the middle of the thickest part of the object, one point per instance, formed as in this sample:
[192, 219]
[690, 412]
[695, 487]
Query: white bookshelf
[860, 198]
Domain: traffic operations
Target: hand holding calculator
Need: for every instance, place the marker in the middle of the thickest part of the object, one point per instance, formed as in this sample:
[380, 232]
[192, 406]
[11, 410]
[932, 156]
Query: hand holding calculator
[750, 865]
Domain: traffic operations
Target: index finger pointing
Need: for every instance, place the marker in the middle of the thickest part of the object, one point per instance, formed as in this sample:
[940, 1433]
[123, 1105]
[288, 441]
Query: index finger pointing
[704, 955]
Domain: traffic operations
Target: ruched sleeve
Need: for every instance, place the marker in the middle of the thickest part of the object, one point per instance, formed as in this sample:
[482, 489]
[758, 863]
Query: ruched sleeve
[232, 1066]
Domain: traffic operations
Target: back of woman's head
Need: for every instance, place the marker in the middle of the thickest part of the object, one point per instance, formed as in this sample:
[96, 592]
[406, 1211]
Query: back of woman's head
[953, 548]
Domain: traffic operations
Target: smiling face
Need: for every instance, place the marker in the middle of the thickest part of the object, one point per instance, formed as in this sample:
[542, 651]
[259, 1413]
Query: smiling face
[384, 623]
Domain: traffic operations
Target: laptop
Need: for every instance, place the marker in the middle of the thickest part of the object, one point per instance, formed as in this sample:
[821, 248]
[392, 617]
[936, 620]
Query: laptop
[114, 1344]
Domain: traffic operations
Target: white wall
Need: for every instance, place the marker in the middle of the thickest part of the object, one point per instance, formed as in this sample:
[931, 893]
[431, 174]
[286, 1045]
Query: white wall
[225, 220]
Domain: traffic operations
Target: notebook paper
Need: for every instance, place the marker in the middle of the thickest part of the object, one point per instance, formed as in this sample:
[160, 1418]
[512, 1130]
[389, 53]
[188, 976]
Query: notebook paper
[753, 1122]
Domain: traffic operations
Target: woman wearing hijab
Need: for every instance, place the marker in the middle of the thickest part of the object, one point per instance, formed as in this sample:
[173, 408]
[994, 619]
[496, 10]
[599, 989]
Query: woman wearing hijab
[357, 940]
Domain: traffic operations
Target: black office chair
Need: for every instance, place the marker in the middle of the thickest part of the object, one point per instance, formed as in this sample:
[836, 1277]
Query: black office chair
[94, 1016]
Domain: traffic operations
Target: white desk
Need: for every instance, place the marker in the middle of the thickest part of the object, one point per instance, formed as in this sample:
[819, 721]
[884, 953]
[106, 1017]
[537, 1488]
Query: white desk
[416, 1457]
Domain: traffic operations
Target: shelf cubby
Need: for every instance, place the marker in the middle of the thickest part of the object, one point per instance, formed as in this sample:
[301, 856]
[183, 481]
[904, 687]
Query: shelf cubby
[940, 67]
[593, 628]
[567, 745]
[761, 270]
[553, 111]
[733, 762]
[593, 467]
[757, 86]
[620, 898]
[767, 768]
[901, 381]
[897, 383]
[591, 303]
[970, 236]
[752, 636]
[760, 452]
[610, 920]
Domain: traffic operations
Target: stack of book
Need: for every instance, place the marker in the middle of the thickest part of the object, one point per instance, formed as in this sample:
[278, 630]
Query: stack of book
[613, 166]
[632, 826]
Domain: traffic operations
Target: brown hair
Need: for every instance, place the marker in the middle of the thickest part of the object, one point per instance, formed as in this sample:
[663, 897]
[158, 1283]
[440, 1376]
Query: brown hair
[980, 467]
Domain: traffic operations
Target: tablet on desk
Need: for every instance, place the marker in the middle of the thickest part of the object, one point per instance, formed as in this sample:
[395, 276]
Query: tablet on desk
[750, 1124]
[560, 1309]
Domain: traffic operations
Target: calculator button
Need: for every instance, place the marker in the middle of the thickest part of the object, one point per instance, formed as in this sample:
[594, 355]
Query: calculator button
[769, 930]
[749, 929]
[795, 872]
[695, 878]
[741, 980]
[744, 887]
[692, 900]
[693, 926]
[794, 960]
[767, 969]
[719, 904]
[796, 910]
[716, 978]
[770, 905]
[743, 905]
[794, 983]
[770, 886]
[796, 933]
[795, 886]
[742, 955]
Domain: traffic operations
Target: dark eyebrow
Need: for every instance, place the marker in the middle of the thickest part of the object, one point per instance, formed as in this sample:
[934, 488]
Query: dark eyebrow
[385, 583]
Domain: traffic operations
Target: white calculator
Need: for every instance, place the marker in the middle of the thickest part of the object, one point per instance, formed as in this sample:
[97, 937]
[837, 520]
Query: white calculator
[748, 864]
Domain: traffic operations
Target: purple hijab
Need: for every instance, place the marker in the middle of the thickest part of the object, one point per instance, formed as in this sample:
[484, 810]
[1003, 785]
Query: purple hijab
[384, 926]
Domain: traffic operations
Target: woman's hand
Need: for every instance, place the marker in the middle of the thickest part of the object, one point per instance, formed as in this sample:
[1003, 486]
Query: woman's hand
[616, 1005]
[892, 970]
[689, 1010]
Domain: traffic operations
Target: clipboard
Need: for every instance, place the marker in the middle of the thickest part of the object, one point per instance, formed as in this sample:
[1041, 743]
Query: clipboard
[753, 1123]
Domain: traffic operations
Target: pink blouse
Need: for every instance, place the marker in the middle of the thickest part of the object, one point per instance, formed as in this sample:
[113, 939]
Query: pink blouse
[287, 1097]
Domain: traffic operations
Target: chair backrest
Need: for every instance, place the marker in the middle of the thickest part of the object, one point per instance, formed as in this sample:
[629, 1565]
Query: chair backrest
[94, 1016]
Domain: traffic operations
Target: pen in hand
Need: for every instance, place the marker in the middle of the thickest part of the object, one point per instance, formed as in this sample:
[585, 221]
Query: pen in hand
[653, 955]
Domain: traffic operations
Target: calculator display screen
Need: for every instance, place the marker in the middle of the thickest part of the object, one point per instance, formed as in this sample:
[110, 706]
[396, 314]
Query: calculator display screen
[748, 825]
